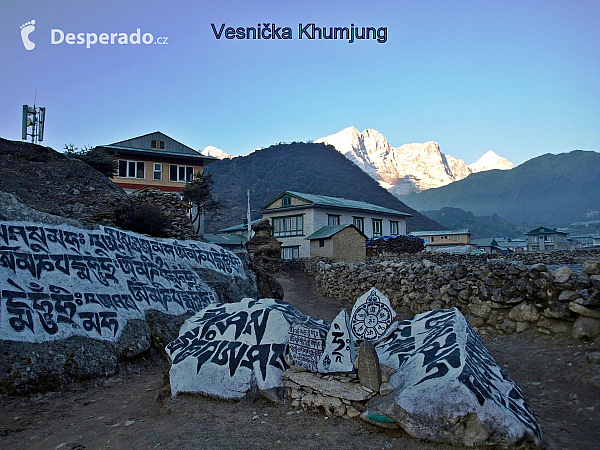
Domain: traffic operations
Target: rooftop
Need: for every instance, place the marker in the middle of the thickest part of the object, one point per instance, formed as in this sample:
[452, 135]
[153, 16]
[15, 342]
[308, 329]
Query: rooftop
[323, 200]
[328, 231]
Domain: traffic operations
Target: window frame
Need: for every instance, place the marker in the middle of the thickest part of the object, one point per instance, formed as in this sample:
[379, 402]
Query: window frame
[157, 144]
[333, 220]
[378, 233]
[137, 165]
[359, 223]
[294, 228]
[395, 223]
[178, 172]
[295, 252]
[159, 172]
[286, 201]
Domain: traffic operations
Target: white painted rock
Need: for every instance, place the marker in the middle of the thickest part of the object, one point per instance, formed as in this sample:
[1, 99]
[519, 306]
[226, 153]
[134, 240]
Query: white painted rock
[448, 388]
[227, 350]
[339, 354]
[59, 281]
[371, 316]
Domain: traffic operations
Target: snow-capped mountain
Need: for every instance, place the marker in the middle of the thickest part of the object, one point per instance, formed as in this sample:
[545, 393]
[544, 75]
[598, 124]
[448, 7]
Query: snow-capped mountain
[490, 161]
[410, 167]
[215, 153]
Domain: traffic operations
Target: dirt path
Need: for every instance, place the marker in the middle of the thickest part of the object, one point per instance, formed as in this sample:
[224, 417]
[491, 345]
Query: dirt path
[124, 413]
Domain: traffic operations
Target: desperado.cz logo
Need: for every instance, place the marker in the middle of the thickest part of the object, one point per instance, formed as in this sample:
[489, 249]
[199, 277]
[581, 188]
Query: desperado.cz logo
[58, 36]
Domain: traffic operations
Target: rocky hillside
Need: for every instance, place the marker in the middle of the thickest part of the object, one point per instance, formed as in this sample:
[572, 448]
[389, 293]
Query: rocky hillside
[309, 168]
[52, 183]
[480, 226]
[550, 189]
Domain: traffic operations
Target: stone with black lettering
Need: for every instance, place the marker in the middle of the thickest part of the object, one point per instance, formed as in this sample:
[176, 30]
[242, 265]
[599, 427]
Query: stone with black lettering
[339, 353]
[448, 388]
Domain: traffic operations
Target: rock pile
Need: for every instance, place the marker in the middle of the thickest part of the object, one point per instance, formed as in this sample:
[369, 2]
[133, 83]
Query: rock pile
[496, 295]
[176, 212]
[393, 245]
[338, 394]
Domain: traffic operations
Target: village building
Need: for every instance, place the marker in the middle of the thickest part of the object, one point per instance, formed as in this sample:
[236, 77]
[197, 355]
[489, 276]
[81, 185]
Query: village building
[512, 245]
[546, 239]
[435, 240]
[296, 216]
[155, 160]
[340, 242]
[489, 246]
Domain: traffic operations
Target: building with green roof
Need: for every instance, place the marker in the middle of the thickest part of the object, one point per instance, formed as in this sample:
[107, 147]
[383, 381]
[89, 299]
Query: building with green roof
[546, 239]
[295, 216]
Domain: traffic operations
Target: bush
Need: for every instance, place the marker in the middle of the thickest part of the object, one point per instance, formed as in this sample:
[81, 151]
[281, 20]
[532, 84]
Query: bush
[144, 218]
[95, 157]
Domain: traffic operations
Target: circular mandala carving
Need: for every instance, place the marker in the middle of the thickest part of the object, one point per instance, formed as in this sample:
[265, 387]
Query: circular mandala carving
[371, 319]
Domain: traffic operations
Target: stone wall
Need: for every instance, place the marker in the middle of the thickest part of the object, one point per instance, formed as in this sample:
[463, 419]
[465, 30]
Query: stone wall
[503, 295]
[178, 219]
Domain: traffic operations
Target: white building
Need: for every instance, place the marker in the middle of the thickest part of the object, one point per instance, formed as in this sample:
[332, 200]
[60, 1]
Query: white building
[295, 216]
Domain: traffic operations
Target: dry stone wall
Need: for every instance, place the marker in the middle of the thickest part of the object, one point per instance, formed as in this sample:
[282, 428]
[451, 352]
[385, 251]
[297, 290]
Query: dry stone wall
[496, 295]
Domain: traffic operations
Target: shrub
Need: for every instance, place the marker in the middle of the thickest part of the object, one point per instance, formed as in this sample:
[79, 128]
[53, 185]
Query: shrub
[143, 218]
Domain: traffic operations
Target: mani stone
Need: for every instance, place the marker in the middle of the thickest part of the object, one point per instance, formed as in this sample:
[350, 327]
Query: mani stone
[369, 372]
[229, 349]
[339, 353]
[448, 388]
[305, 346]
[371, 316]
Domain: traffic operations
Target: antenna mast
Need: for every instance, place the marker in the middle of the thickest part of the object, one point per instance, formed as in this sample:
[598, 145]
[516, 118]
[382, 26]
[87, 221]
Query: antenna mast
[34, 118]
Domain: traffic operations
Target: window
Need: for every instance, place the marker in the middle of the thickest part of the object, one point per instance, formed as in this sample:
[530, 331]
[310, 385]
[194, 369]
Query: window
[157, 172]
[333, 219]
[359, 222]
[288, 226]
[457, 237]
[321, 242]
[377, 228]
[290, 252]
[131, 169]
[157, 144]
[286, 201]
[181, 173]
[393, 227]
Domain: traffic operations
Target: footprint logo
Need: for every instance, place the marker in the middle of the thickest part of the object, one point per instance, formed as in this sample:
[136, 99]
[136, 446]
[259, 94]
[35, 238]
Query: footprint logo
[26, 30]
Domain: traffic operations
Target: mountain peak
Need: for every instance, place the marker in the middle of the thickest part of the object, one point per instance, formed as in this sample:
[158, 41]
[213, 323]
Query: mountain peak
[490, 161]
[408, 168]
[215, 153]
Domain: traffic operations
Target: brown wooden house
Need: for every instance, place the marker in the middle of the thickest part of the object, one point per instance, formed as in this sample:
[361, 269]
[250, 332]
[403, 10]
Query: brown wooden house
[156, 160]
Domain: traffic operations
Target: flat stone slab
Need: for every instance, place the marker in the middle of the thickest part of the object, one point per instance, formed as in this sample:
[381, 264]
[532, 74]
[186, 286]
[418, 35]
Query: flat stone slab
[331, 388]
[448, 388]
[305, 346]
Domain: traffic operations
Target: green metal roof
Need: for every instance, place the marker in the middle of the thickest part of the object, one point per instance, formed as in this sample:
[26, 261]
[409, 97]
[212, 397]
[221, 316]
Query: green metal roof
[328, 231]
[323, 200]
[489, 242]
[544, 230]
[240, 227]
[224, 239]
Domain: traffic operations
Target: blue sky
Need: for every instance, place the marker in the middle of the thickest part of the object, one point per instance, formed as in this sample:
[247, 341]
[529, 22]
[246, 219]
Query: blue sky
[521, 78]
